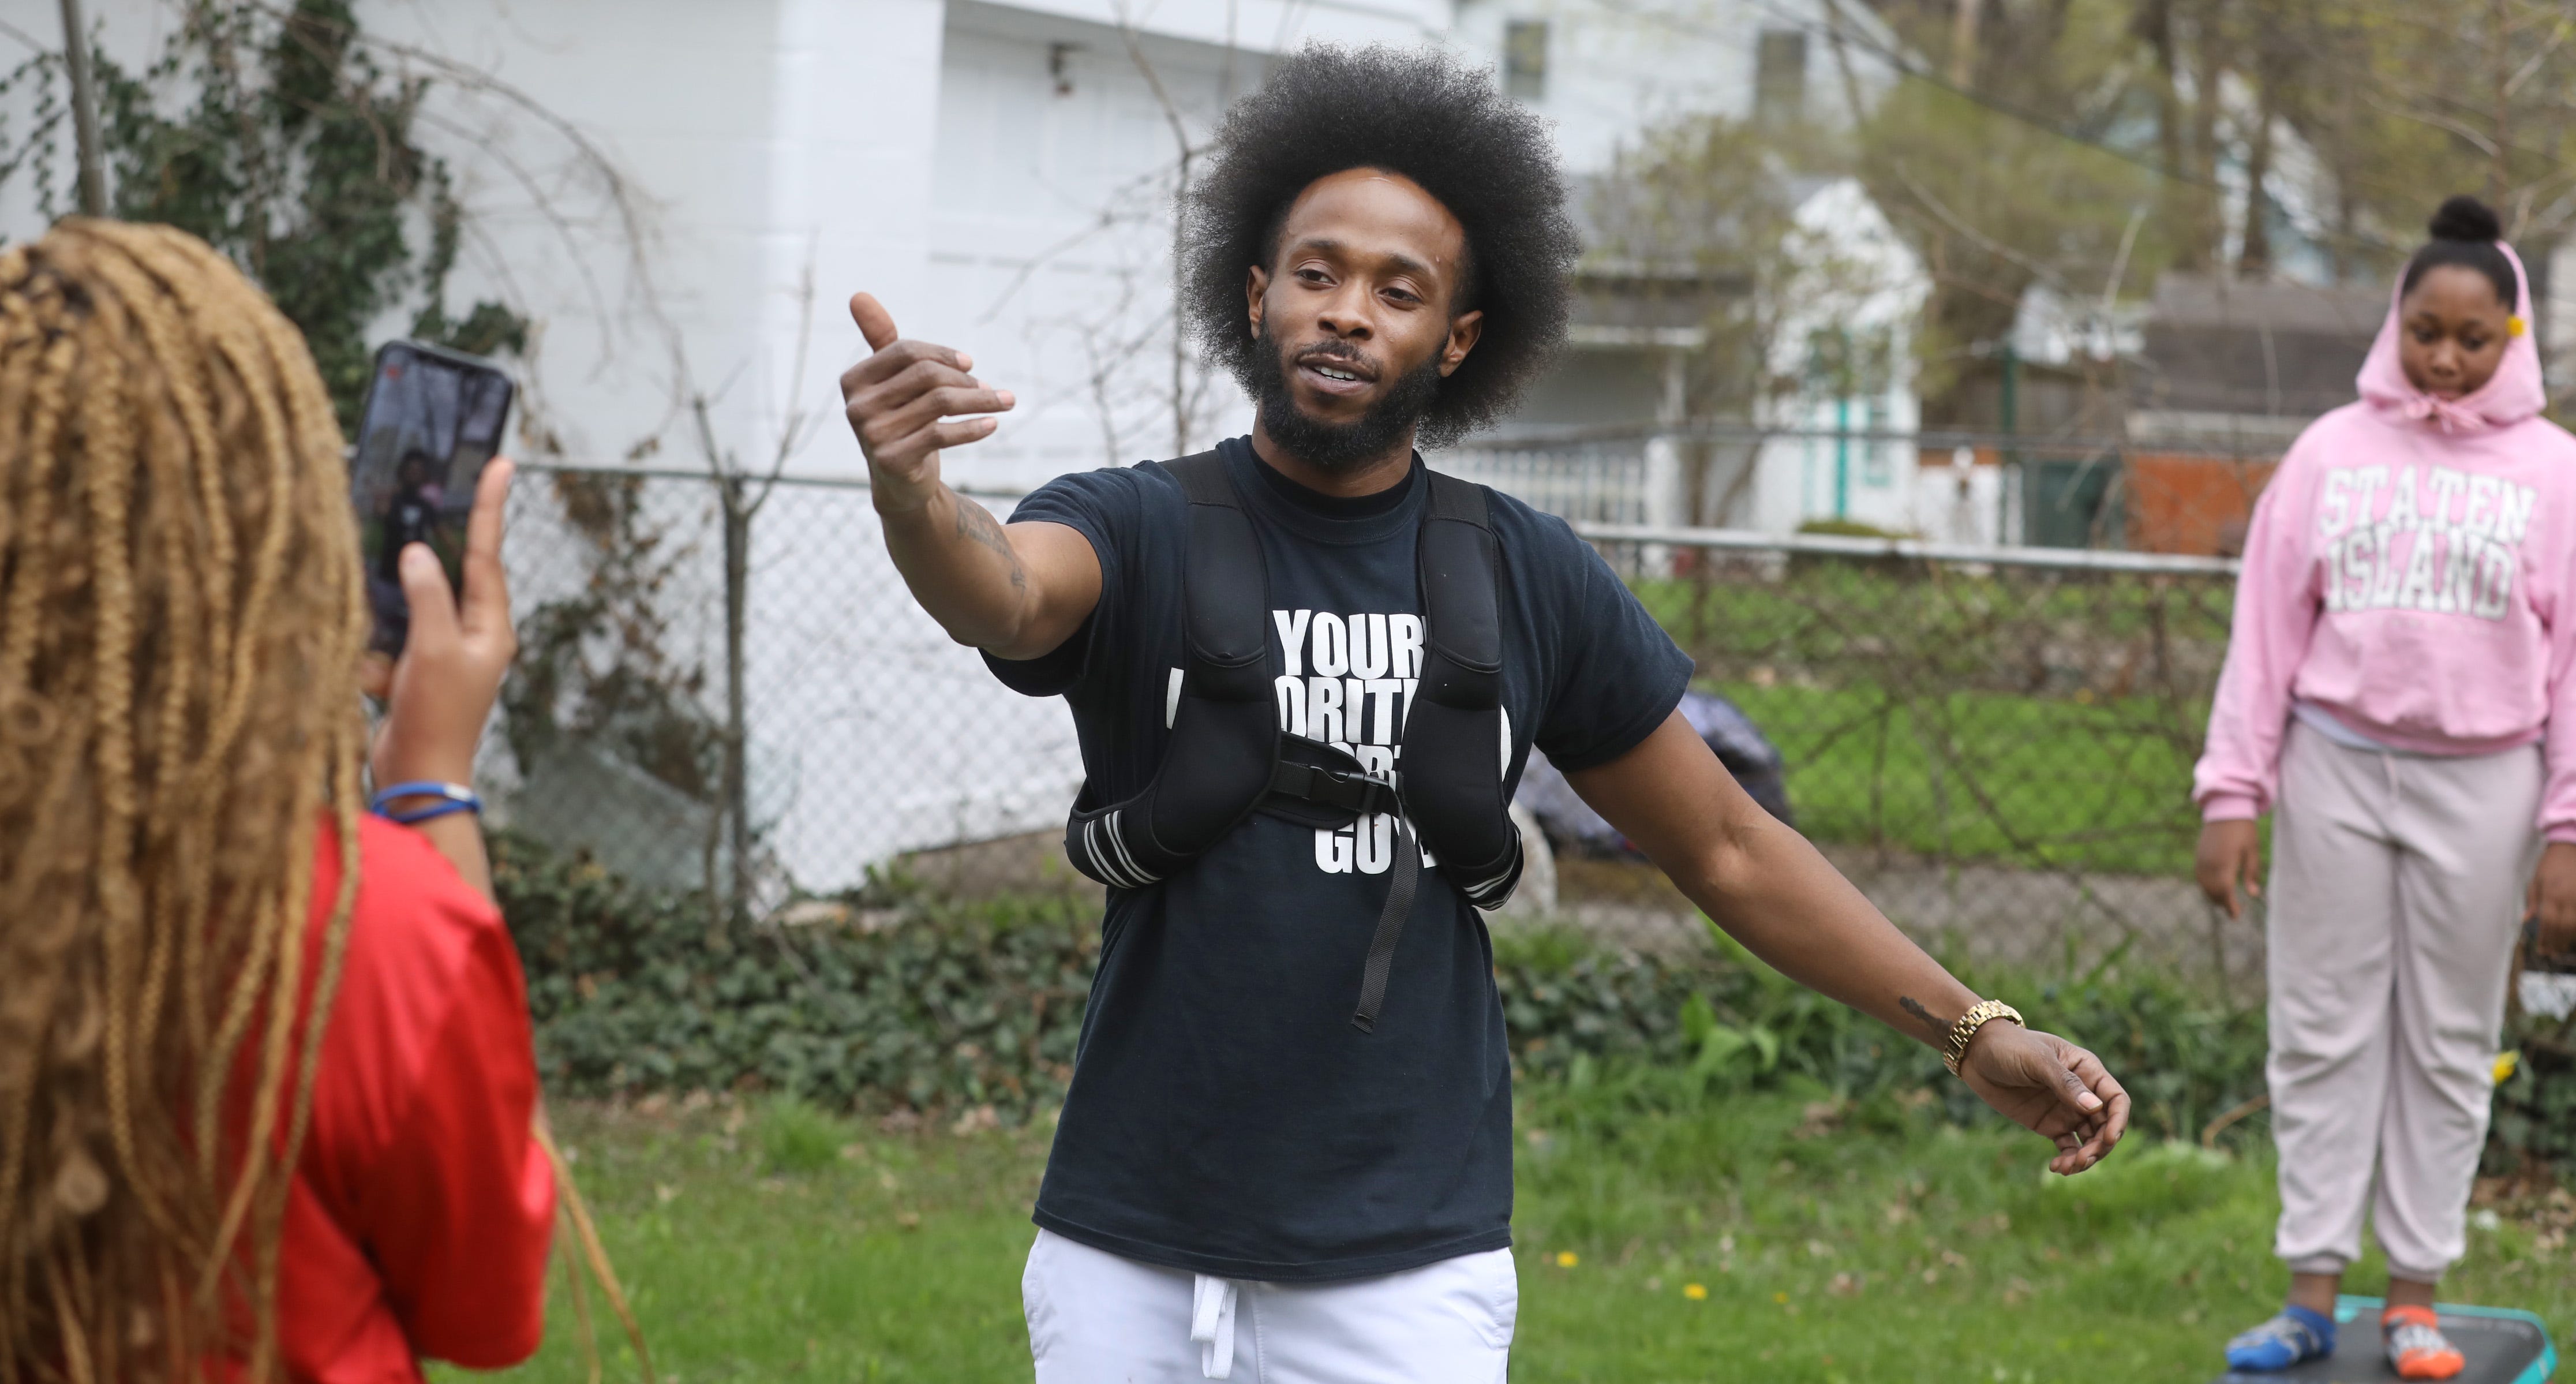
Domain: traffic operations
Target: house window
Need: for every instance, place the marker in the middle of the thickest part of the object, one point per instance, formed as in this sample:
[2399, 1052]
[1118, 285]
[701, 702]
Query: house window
[1780, 76]
[1525, 59]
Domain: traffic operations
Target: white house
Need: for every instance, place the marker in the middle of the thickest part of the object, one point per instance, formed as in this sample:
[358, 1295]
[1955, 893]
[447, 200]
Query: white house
[1606, 71]
[1847, 338]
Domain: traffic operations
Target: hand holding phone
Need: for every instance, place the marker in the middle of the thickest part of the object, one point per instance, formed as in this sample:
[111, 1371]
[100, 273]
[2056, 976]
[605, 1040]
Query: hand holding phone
[440, 691]
[433, 419]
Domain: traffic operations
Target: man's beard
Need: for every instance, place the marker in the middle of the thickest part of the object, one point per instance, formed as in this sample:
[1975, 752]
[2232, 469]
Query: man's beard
[1337, 447]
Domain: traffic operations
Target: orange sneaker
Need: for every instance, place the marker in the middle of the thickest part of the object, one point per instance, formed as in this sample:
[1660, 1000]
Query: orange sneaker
[2417, 1349]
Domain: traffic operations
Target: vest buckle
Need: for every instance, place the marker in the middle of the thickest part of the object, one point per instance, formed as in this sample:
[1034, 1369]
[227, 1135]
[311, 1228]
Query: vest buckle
[1358, 794]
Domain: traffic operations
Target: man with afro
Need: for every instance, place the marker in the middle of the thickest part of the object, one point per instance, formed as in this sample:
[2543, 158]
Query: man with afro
[1244, 1177]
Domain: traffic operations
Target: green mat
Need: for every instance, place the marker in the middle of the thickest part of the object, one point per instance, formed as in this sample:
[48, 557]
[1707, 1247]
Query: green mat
[2503, 1346]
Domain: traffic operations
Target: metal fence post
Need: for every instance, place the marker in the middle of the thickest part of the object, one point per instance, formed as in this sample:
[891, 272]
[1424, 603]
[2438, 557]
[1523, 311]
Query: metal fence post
[737, 587]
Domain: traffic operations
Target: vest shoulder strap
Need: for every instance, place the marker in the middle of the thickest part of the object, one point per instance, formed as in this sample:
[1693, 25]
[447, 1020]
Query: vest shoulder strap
[1458, 560]
[1457, 748]
[1224, 584]
[1461, 500]
[1203, 479]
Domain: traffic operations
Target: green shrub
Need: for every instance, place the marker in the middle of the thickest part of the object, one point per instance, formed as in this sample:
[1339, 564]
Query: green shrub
[940, 1007]
[946, 1007]
[2535, 1108]
[1724, 1021]
[1848, 528]
[797, 1138]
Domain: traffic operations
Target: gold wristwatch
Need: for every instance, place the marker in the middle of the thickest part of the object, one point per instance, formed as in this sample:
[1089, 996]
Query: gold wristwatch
[1963, 1032]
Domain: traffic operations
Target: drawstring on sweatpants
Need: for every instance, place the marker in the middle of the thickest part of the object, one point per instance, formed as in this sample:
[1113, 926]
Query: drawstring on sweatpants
[1212, 1325]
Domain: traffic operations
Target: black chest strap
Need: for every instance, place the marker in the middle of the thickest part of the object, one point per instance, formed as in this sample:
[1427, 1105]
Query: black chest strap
[1457, 749]
[1226, 757]
[1404, 879]
[1224, 739]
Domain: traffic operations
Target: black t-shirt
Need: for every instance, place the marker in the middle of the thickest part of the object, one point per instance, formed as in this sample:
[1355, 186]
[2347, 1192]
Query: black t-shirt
[1225, 1117]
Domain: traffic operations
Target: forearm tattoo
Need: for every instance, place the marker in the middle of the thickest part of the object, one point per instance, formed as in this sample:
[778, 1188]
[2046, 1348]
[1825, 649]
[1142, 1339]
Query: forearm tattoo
[1923, 1016]
[975, 525]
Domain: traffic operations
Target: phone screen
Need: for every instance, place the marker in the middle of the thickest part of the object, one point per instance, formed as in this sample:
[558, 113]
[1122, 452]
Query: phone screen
[432, 419]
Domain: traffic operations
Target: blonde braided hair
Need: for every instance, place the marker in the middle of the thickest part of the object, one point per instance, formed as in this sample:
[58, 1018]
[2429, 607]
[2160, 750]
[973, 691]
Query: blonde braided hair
[181, 617]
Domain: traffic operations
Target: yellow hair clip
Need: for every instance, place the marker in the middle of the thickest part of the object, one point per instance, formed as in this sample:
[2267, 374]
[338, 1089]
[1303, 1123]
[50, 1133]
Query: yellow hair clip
[2513, 325]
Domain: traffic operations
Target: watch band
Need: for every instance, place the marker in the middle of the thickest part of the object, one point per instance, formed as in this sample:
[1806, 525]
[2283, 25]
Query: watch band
[1983, 1012]
[390, 794]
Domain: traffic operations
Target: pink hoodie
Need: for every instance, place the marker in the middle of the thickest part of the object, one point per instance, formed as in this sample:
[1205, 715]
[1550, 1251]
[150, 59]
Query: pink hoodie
[2411, 571]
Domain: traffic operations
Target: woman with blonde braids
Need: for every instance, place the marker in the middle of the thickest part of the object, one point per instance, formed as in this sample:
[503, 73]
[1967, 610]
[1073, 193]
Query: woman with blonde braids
[266, 1086]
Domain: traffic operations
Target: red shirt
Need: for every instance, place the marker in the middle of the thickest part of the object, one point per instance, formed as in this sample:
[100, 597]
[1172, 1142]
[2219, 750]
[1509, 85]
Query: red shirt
[422, 1208]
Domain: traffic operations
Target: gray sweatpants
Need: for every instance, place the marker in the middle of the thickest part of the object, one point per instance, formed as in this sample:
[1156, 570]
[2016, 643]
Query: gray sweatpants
[2397, 891]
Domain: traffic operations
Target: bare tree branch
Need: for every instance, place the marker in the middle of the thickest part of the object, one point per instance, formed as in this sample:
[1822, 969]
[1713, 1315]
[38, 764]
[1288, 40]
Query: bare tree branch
[2557, 36]
[1108, 216]
[2120, 262]
[28, 40]
[1989, 244]
[2484, 144]
[797, 426]
[1180, 203]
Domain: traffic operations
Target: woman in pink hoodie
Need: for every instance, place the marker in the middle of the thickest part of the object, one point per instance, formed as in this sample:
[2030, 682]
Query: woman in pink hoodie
[2405, 624]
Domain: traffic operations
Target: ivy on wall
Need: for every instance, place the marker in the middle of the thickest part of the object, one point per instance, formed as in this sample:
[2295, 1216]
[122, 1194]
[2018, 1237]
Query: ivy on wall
[276, 136]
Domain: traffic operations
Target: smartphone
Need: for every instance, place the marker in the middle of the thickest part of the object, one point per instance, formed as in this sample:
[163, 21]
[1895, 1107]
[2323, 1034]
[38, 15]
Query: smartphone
[432, 420]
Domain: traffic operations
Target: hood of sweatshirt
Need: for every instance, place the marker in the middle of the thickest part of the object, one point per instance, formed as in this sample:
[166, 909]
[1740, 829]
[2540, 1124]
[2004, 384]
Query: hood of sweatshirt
[2514, 394]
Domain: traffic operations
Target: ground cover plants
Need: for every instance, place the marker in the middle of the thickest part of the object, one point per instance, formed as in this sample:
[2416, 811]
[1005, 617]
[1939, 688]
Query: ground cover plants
[1779, 1234]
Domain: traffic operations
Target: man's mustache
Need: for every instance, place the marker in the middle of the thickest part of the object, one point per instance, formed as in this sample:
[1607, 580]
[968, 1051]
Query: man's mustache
[1341, 351]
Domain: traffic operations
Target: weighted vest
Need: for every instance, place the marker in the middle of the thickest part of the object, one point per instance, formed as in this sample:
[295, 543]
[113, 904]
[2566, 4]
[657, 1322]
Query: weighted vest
[1227, 757]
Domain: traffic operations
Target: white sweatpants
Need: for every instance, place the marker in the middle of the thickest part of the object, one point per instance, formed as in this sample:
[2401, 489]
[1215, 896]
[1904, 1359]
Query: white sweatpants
[2397, 891]
[1095, 1318]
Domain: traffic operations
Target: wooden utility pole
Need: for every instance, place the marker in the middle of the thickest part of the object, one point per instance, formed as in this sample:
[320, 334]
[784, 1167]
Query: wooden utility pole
[93, 171]
[1963, 43]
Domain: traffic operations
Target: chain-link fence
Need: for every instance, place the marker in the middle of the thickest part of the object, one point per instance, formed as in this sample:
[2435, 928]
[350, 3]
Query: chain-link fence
[1996, 745]
[683, 701]
[1995, 742]
[2185, 496]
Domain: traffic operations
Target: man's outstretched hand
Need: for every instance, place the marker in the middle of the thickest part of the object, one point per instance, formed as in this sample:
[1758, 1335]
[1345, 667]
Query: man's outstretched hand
[2050, 1087]
[904, 403]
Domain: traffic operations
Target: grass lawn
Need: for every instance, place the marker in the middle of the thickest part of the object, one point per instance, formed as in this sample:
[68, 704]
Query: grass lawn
[2097, 785]
[1867, 1245]
[2020, 717]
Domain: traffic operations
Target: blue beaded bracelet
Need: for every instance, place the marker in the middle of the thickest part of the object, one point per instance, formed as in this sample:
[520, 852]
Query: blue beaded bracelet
[453, 797]
[433, 810]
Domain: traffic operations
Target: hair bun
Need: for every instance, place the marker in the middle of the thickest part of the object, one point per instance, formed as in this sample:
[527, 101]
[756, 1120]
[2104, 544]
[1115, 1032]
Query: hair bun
[2466, 218]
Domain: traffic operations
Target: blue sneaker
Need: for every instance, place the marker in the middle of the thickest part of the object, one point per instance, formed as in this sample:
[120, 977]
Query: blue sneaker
[2295, 1337]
